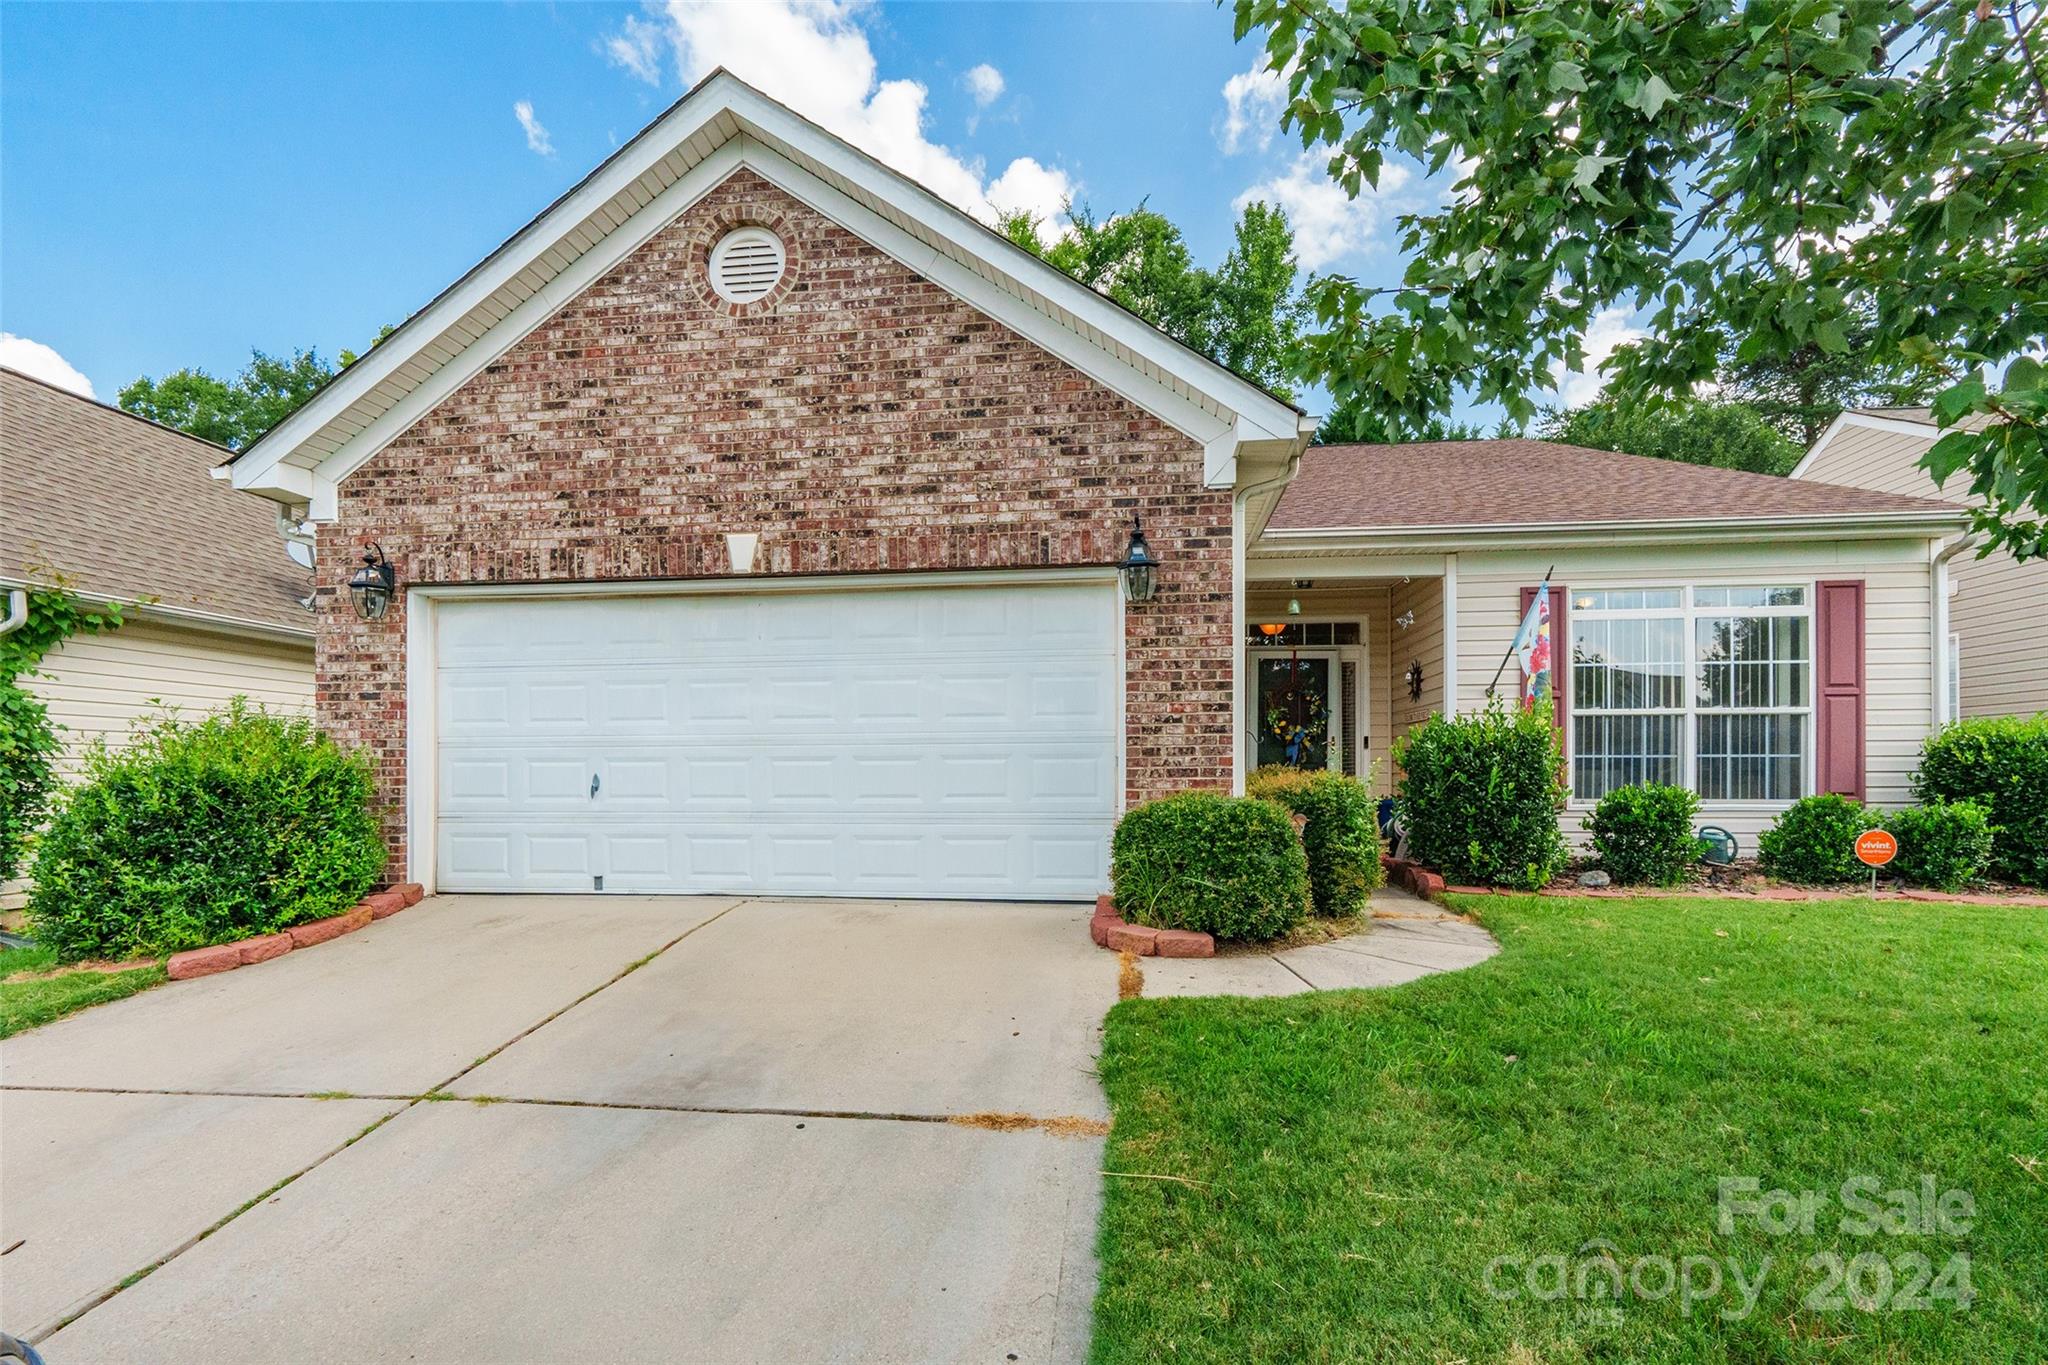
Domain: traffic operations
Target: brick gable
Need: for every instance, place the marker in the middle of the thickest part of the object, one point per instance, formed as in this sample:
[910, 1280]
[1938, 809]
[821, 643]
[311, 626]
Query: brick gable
[859, 418]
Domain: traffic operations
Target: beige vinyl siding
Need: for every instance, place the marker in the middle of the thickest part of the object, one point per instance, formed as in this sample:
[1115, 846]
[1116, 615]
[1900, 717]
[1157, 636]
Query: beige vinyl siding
[1882, 461]
[1999, 612]
[1898, 646]
[1422, 642]
[1366, 604]
[98, 686]
[1997, 606]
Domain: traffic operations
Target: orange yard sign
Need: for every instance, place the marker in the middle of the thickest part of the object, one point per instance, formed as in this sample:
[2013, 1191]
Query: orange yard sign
[1876, 847]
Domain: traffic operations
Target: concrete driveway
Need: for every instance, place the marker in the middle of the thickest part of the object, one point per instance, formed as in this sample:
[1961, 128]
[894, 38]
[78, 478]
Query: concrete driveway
[509, 1128]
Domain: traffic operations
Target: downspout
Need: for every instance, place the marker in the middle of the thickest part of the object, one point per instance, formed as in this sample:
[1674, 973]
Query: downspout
[1939, 587]
[17, 611]
[1238, 503]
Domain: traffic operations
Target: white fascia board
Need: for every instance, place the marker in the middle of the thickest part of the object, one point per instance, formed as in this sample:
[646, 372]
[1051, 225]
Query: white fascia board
[745, 152]
[1267, 415]
[497, 270]
[1898, 426]
[1863, 526]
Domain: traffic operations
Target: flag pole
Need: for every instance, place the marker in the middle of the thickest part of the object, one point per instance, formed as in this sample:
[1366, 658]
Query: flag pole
[1494, 686]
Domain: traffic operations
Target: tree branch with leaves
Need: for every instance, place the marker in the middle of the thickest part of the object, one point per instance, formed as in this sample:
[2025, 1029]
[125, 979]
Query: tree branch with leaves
[1766, 181]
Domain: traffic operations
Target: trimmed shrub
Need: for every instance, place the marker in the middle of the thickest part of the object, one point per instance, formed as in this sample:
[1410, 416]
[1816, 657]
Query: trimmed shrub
[1342, 837]
[1226, 865]
[1643, 834]
[1479, 796]
[2001, 764]
[1814, 841]
[198, 833]
[1942, 844]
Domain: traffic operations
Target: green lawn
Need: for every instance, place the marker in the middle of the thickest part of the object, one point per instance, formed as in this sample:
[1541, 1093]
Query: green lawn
[25, 1004]
[1363, 1157]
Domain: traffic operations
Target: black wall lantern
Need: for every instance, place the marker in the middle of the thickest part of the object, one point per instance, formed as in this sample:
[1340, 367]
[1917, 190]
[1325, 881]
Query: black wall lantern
[372, 585]
[1140, 570]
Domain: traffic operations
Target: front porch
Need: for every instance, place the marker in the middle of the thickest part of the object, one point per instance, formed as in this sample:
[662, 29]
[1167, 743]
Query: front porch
[1341, 661]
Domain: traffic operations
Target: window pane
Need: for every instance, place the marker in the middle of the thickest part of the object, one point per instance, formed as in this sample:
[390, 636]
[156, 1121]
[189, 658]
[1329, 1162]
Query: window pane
[1749, 597]
[1614, 751]
[1751, 757]
[1346, 632]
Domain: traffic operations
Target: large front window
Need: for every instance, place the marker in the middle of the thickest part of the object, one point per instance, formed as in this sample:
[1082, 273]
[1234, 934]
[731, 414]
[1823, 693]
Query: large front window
[1709, 688]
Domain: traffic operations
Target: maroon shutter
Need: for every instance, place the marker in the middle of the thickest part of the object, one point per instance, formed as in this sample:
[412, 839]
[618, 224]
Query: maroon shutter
[1560, 649]
[1838, 686]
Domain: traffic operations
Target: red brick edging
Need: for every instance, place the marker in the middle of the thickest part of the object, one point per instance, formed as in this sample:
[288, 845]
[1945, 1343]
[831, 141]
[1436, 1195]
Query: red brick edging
[225, 957]
[1109, 930]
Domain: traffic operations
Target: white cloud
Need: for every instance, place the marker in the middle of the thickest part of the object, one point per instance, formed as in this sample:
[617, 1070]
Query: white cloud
[1611, 328]
[1329, 224]
[984, 83]
[41, 362]
[814, 56]
[1252, 102]
[537, 139]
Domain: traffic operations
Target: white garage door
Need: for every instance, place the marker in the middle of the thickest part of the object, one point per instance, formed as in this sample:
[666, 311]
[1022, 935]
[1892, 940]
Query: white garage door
[904, 742]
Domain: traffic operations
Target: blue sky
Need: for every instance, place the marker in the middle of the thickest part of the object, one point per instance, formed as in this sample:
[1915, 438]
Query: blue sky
[185, 181]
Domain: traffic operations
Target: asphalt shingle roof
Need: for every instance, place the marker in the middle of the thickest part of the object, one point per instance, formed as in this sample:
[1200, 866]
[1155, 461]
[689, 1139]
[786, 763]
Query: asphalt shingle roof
[124, 508]
[1519, 482]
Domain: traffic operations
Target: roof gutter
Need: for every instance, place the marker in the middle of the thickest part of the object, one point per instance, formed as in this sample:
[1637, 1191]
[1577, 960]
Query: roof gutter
[1332, 540]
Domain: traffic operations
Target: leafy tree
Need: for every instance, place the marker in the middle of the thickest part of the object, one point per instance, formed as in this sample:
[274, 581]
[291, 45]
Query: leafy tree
[1775, 173]
[1801, 393]
[234, 412]
[1245, 314]
[1354, 419]
[1725, 435]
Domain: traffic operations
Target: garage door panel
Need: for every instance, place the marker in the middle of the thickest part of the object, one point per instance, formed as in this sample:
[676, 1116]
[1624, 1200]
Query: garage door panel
[920, 742]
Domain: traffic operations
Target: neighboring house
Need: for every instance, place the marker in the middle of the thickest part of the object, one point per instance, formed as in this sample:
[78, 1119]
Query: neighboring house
[1998, 655]
[755, 517]
[124, 511]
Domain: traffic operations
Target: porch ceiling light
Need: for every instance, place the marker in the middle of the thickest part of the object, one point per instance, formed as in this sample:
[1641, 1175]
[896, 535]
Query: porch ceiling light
[372, 586]
[1271, 628]
[1139, 569]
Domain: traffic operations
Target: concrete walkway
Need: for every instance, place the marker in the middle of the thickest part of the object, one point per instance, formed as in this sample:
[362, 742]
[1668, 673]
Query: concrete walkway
[507, 1128]
[1410, 938]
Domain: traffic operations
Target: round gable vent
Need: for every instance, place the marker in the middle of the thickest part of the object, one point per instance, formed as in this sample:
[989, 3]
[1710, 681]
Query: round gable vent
[746, 263]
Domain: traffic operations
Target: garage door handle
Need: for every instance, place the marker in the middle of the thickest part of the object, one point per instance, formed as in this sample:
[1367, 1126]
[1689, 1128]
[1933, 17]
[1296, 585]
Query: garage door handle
[593, 786]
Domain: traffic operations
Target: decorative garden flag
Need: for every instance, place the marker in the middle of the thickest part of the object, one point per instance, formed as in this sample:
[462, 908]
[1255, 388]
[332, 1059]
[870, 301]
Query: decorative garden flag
[1532, 647]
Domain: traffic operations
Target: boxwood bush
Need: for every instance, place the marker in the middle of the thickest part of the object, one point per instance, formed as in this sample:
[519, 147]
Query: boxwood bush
[1479, 796]
[1814, 840]
[1231, 866]
[1342, 837]
[1942, 844]
[197, 833]
[2001, 764]
[1643, 834]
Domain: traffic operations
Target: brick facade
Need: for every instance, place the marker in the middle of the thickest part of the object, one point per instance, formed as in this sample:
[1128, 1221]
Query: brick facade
[860, 418]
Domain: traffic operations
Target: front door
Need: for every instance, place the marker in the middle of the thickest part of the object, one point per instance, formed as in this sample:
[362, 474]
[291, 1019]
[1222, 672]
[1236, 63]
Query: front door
[1296, 720]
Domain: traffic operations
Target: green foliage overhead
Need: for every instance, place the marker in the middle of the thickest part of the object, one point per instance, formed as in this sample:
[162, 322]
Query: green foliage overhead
[1231, 866]
[1725, 435]
[1341, 838]
[1800, 393]
[1244, 315]
[198, 833]
[2000, 763]
[1480, 794]
[1763, 180]
[1643, 834]
[1814, 840]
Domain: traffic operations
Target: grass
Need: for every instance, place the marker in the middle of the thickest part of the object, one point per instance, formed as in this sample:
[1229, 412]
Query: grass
[27, 1004]
[1338, 1170]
